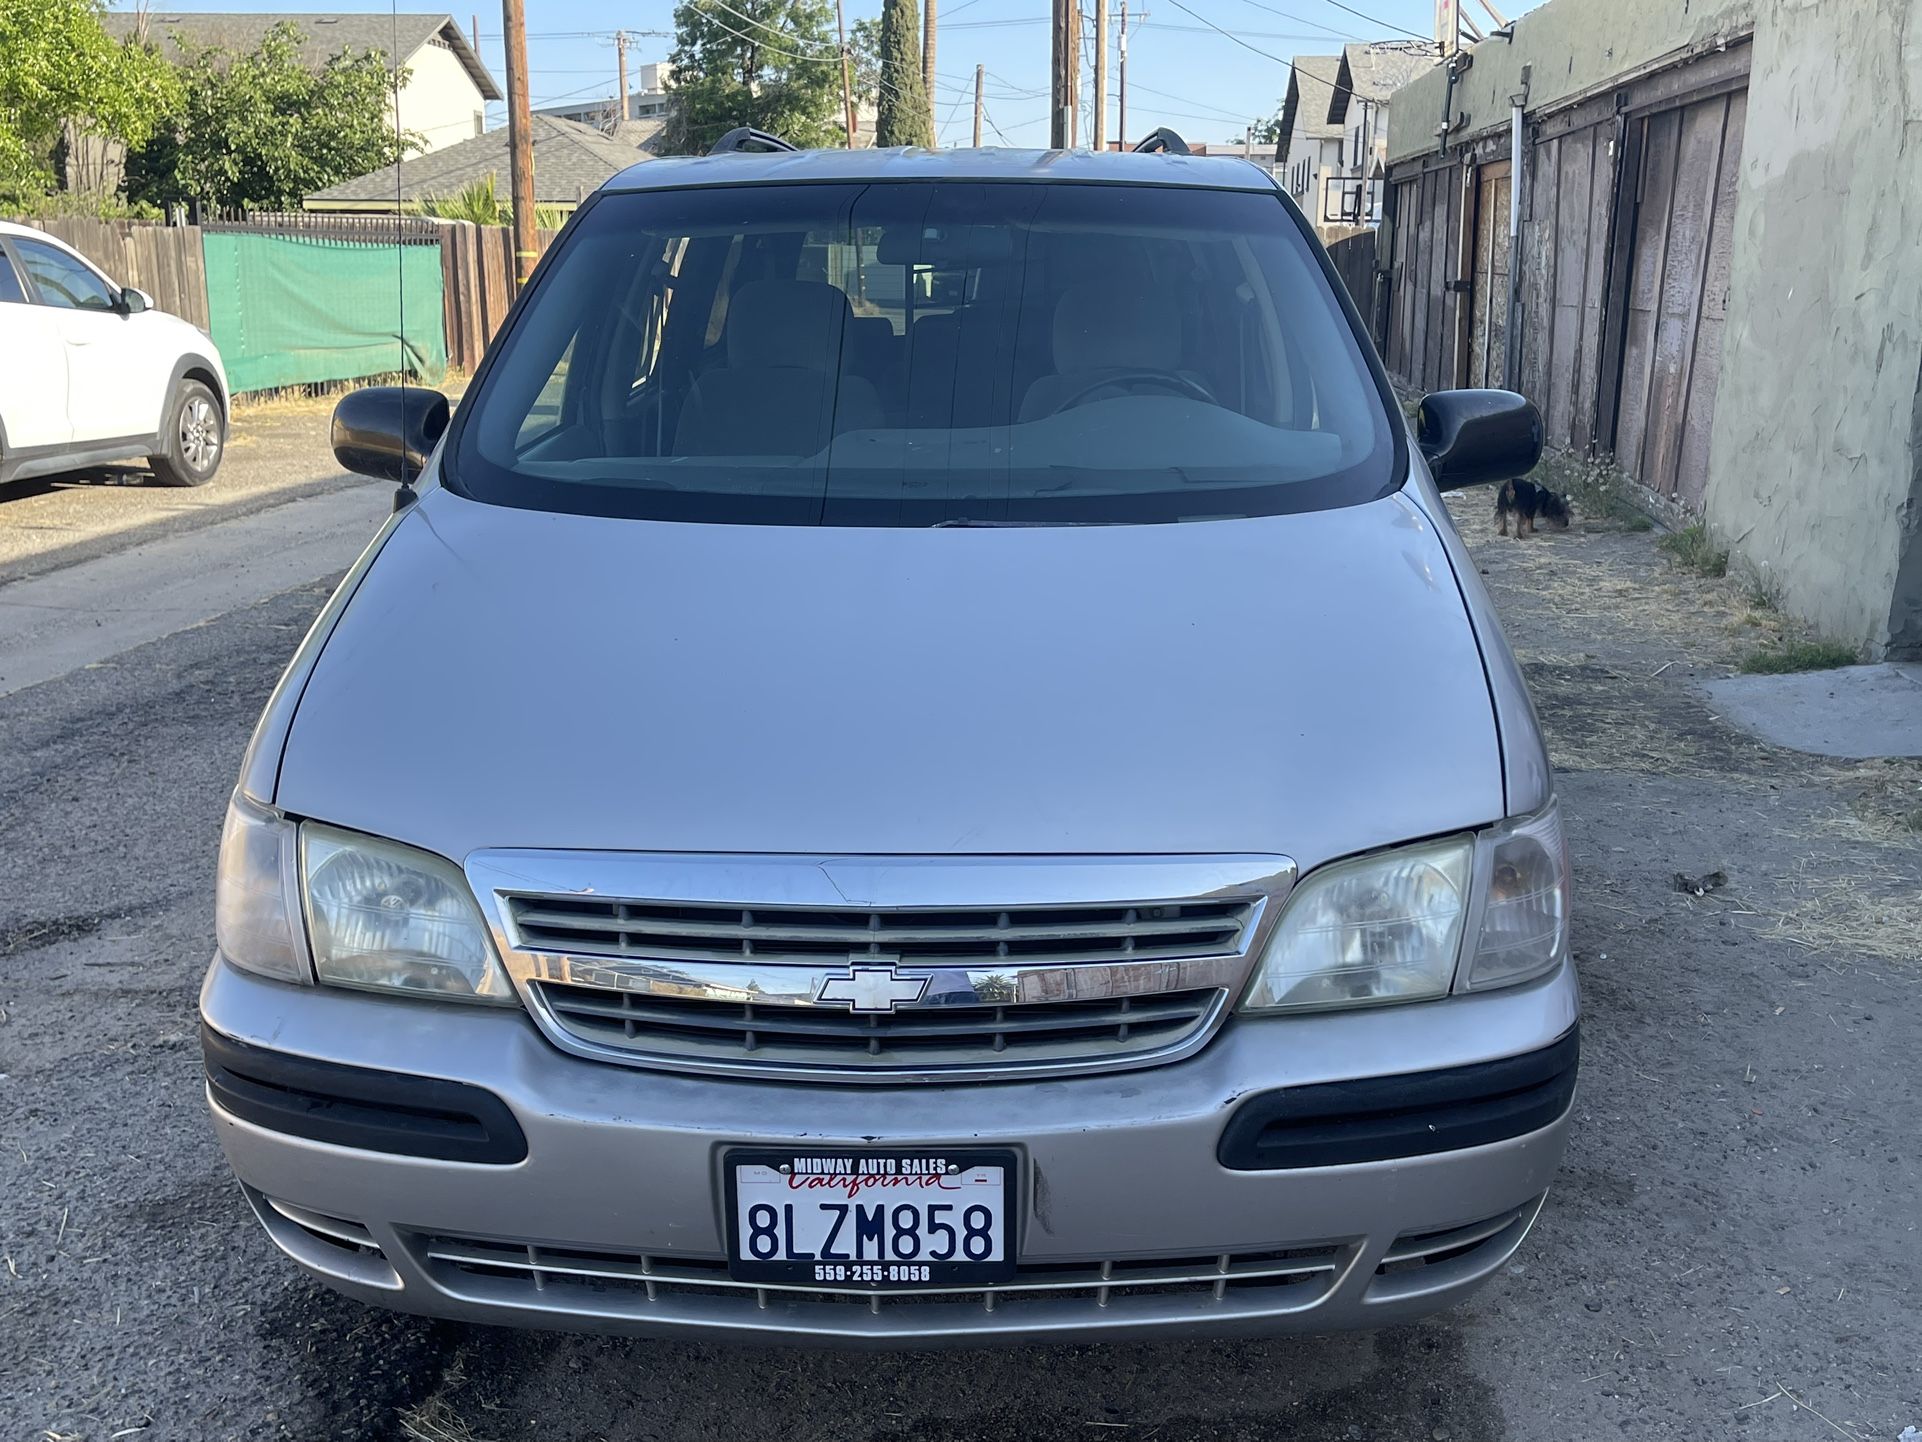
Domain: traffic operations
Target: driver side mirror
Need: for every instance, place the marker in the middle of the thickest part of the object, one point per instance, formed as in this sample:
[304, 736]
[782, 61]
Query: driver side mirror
[132, 301]
[388, 432]
[1470, 437]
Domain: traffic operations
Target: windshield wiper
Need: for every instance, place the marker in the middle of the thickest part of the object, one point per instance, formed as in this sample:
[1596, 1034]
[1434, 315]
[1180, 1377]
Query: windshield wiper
[963, 523]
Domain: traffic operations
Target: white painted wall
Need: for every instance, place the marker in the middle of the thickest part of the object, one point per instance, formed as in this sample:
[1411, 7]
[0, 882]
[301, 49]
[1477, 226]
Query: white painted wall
[440, 101]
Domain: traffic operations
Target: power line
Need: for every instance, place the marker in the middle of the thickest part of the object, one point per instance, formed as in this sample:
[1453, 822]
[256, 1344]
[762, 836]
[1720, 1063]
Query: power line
[1373, 20]
[1233, 115]
[787, 35]
[1265, 54]
[1303, 20]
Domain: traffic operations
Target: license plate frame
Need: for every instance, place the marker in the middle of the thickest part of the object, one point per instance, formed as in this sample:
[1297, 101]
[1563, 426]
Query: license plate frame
[860, 1273]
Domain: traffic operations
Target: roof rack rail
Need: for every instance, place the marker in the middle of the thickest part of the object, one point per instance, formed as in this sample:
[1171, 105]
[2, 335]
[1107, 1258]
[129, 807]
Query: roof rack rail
[1162, 138]
[746, 139]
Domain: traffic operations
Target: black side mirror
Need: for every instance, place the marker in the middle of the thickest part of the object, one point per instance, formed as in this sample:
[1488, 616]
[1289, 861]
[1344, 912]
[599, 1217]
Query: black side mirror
[1471, 437]
[388, 432]
[132, 301]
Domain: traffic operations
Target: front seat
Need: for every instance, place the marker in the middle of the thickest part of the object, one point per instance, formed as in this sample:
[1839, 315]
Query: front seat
[1102, 331]
[782, 391]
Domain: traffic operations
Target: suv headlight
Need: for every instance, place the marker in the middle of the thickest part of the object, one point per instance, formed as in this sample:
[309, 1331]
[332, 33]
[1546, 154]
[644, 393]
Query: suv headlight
[1389, 927]
[387, 917]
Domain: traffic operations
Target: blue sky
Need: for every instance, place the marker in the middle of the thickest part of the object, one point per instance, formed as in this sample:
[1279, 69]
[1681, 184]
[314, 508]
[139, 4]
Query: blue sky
[1180, 72]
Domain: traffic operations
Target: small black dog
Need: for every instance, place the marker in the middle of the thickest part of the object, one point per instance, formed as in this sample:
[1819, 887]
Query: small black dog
[1528, 503]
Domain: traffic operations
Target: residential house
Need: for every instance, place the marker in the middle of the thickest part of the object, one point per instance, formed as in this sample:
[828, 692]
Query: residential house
[443, 100]
[1686, 230]
[571, 161]
[1368, 75]
[1309, 147]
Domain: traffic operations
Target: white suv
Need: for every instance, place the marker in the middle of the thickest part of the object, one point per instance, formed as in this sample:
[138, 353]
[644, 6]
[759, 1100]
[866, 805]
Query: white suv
[91, 372]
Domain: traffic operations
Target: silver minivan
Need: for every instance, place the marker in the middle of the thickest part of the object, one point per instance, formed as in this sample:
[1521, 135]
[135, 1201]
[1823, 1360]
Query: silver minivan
[920, 762]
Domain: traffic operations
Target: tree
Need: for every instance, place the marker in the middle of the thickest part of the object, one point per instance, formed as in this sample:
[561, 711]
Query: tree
[901, 114]
[258, 131]
[57, 64]
[771, 64]
[1268, 131]
[481, 202]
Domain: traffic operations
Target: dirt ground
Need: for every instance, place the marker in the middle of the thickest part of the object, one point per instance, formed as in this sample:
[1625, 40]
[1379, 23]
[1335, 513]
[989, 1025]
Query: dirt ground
[1731, 1250]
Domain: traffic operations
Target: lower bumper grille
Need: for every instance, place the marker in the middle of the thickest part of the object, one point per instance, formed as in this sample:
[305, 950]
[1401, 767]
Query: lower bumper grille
[930, 1037]
[635, 1285]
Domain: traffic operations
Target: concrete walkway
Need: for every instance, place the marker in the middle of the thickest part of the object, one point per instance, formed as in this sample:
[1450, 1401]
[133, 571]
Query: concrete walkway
[1855, 712]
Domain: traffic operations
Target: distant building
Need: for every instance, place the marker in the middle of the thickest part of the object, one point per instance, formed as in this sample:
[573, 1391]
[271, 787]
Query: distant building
[648, 102]
[571, 161]
[1358, 108]
[443, 102]
[1310, 145]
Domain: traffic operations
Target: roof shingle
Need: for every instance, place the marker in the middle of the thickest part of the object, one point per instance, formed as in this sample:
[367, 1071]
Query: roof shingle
[571, 161]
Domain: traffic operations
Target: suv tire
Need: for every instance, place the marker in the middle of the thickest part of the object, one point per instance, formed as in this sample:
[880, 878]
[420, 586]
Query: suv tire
[193, 439]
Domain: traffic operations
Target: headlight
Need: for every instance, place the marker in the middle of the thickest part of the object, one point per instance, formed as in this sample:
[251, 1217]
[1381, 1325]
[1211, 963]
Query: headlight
[387, 917]
[1524, 927]
[256, 906]
[1389, 927]
[1375, 929]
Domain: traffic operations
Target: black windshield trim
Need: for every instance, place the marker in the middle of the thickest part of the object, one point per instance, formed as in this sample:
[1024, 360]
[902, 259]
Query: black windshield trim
[453, 444]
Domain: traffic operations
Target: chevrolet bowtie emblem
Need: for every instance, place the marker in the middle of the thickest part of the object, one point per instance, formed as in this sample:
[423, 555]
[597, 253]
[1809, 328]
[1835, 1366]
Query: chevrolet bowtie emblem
[872, 988]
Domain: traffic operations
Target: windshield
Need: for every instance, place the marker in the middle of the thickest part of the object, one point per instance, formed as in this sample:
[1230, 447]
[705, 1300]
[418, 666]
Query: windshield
[925, 354]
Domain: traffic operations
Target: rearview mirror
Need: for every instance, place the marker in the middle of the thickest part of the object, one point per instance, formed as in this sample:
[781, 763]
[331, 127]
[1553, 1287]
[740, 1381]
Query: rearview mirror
[389, 432]
[1471, 437]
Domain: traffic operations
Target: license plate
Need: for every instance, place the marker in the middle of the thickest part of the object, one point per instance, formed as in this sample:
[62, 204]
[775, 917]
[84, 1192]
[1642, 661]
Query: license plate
[870, 1219]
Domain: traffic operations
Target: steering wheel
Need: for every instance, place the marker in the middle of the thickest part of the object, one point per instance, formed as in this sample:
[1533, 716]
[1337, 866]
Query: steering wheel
[1161, 380]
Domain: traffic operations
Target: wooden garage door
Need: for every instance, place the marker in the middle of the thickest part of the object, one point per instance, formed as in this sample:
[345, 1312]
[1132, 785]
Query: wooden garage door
[1677, 298]
[1488, 335]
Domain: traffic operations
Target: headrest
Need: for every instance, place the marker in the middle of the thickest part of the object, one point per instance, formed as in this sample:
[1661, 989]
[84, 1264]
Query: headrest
[795, 323]
[1099, 327]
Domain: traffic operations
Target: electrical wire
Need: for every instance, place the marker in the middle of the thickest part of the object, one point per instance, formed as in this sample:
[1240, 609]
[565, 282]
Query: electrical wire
[1304, 20]
[786, 35]
[1265, 54]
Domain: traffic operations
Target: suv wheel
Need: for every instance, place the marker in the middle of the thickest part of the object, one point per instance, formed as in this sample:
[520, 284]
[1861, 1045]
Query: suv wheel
[193, 439]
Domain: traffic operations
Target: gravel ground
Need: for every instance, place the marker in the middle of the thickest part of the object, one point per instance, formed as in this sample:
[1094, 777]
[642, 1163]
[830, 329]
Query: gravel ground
[1732, 1249]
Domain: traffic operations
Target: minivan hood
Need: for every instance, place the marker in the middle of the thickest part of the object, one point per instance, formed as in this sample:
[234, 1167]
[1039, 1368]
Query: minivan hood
[1307, 685]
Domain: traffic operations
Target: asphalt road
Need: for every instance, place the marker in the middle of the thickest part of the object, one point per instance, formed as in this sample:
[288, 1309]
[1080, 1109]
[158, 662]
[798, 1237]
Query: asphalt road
[1734, 1249]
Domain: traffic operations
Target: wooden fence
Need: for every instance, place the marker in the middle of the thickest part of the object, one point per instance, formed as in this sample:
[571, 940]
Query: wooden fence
[477, 263]
[1354, 260]
[165, 261]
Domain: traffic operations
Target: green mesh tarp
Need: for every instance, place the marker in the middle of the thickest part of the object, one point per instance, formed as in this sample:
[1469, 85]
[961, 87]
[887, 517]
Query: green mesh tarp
[290, 309]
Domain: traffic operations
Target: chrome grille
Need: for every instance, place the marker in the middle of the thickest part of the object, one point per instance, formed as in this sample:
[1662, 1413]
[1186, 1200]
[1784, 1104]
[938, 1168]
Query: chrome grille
[854, 969]
[921, 1038]
[1078, 935]
[638, 1285]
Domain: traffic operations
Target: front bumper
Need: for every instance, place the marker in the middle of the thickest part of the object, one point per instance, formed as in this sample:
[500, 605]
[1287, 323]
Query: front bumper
[1129, 1226]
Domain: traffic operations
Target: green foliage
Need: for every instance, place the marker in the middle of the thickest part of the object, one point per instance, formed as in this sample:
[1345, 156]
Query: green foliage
[482, 203]
[58, 64]
[1799, 656]
[864, 49]
[258, 131]
[1269, 131]
[1693, 550]
[771, 64]
[901, 113]
[33, 201]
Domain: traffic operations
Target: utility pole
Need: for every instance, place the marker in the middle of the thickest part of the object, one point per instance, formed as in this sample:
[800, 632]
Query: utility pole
[1074, 73]
[1121, 120]
[1060, 102]
[1100, 74]
[520, 139]
[927, 58]
[847, 80]
[979, 72]
[620, 54]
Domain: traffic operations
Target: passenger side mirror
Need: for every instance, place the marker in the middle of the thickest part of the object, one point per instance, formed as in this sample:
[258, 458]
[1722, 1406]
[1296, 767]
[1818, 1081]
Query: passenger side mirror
[389, 432]
[1471, 437]
[132, 301]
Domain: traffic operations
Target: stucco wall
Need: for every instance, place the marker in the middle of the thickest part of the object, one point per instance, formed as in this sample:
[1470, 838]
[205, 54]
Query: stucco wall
[1815, 471]
[440, 98]
[1572, 47]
